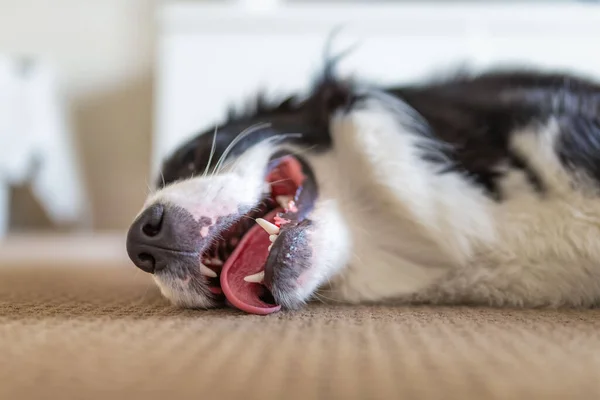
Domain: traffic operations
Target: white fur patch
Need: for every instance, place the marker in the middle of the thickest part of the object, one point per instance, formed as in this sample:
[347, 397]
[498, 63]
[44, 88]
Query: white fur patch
[179, 293]
[420, 235]
[409, 224]
[547, 248]
[240, 184]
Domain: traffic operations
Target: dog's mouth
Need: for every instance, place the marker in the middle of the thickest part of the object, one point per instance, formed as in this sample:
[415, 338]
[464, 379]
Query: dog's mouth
[235, 264]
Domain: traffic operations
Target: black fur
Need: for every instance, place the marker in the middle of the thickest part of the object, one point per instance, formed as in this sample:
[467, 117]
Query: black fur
[477, 116]
[579, 144]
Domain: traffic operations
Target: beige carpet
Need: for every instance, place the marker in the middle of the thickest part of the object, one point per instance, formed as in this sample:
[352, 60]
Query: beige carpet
[98, 331]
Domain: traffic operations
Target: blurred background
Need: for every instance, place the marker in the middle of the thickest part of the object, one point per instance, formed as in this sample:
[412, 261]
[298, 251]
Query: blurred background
[93, 94]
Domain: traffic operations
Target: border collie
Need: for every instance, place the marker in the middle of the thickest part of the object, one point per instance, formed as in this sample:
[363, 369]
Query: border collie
[479, 189]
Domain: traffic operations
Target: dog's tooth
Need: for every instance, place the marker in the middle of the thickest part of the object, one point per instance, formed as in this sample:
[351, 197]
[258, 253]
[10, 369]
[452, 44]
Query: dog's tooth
[216, 262]
[256, 278]
[273, 238]
[204, 270]
[269, 248]
[283, 201]
[209, 261]
[271, 229]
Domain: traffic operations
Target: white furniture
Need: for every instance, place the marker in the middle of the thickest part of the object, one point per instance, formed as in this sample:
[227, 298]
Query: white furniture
[212, 55]
[36, 146]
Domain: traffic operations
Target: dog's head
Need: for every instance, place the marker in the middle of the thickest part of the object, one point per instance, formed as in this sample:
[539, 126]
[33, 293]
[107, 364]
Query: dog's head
[230, 219]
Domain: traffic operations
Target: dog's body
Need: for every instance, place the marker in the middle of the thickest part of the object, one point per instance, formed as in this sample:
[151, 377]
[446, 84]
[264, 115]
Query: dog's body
[480, 190]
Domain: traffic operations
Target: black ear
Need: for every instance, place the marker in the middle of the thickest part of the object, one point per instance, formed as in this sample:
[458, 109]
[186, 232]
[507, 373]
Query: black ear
[328, 96]
[332, 93]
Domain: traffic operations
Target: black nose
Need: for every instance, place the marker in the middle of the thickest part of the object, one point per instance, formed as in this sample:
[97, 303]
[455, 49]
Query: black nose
[144, 232]
[163, 236]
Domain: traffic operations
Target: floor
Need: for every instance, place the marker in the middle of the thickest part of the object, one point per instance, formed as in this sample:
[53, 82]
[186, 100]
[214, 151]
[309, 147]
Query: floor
[78, 321]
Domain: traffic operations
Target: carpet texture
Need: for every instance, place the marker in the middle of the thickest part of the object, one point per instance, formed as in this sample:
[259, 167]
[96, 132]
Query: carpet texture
[99, 332]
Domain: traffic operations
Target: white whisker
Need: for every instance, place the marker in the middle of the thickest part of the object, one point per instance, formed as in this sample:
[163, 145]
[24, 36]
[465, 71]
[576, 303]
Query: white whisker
[150, 190]
[299, 152]
[212, 151]
[279, 181]
[237, 139]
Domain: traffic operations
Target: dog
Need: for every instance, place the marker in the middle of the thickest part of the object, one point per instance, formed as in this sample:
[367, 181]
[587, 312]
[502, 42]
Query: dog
[476, 189]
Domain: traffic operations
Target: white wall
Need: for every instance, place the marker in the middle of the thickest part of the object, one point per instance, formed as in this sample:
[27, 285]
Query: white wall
[104, 53]
[281, 48]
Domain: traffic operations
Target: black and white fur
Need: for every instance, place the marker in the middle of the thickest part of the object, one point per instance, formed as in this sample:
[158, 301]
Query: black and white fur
[479, 189]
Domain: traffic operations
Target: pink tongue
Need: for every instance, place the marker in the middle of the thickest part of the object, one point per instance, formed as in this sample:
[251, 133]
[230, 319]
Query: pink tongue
[248, 258]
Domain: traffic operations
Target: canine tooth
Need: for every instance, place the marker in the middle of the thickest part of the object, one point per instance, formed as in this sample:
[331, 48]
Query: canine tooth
[267, 226]
[256, 278]
[273, 238]
[292, 206]
[269, 248]
[204, 270]
[216, 262]
[283, 201]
